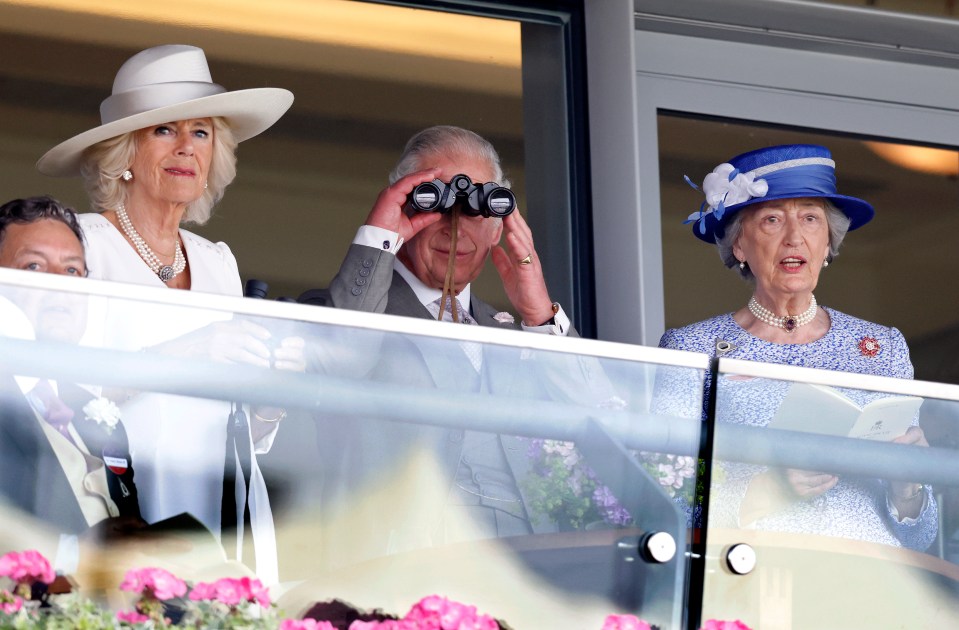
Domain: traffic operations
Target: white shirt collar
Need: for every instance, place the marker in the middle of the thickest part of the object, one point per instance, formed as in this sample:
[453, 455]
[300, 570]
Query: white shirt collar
[428, 295]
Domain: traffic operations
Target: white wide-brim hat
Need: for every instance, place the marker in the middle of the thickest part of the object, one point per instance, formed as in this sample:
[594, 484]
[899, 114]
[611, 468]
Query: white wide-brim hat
[166, 84]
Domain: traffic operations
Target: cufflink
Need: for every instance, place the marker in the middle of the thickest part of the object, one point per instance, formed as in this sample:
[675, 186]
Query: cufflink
[552, 320]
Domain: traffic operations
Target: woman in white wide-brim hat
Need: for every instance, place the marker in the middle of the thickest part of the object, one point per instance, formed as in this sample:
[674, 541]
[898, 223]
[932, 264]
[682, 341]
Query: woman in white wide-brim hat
[163, 156]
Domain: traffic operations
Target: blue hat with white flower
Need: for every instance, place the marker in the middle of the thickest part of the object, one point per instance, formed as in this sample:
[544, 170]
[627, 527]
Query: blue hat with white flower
[787, 171]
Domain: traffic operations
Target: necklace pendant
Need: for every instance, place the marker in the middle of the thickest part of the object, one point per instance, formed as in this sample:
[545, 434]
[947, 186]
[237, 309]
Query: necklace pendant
[166, 273]
[790, 324]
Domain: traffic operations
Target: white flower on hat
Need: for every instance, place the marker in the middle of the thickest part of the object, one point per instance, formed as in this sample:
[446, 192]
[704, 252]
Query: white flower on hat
[103, 411]
[726, 186]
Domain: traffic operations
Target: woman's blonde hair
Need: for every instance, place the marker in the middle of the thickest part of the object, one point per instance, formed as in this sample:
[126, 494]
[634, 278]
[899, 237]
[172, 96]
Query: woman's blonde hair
[102, 167]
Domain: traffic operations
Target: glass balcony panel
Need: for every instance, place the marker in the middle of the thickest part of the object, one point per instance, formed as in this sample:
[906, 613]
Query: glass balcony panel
[520, 473]
[807, 473]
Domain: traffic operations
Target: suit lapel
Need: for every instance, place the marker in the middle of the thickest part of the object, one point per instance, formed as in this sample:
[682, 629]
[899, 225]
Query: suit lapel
[403, 301]
[32, 476]
[102, 443]
[448, 368]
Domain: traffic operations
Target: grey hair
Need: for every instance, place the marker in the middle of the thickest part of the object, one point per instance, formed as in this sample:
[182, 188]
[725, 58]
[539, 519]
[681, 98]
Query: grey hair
[450, 141]
[103, 164]
[836, 219]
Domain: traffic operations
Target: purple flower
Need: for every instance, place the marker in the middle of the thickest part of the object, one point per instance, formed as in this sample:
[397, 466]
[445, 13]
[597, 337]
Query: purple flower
[610, 508]
[535, 449]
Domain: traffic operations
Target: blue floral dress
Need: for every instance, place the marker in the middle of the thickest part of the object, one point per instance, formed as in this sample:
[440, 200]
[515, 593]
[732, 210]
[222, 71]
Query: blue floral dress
[855, 508]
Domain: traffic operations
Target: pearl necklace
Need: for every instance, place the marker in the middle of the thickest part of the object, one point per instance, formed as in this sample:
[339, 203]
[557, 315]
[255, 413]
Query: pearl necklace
[788, 323]
[164, 272]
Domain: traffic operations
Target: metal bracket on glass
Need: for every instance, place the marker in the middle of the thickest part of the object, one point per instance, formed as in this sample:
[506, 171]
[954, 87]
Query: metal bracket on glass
[653, 547]
[741, 559]
[657, 547]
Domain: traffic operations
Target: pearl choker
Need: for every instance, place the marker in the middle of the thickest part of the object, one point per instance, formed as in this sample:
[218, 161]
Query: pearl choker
[788, 323]
[164, 272]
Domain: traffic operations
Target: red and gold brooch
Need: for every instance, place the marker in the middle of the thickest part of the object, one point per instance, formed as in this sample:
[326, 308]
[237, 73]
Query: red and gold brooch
[869, 346]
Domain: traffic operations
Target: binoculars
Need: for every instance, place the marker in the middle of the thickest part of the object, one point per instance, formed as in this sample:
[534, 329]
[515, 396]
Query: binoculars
[487, 200]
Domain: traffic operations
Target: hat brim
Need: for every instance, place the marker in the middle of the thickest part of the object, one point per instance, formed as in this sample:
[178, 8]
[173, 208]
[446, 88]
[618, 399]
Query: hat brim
[859, 212]
[248, 112]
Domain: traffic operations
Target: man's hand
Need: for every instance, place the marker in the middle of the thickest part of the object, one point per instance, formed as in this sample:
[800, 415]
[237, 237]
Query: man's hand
[524, 284]
[387, 212]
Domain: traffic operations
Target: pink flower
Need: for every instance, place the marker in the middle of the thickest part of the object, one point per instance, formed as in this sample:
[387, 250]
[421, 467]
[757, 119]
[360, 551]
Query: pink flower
[131, 617]
[624, 622]
[229, 591]
[203, 591]
[26, 567]
[258, 592]
[9, 603]
[435, 612]
[232, 592]
[306, 624]
[153, 582]
[716, 624]
[389, 624]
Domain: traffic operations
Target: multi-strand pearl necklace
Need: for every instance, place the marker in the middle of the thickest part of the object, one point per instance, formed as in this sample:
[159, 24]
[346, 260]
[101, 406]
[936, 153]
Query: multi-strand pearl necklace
[164, 272]
[788, 323]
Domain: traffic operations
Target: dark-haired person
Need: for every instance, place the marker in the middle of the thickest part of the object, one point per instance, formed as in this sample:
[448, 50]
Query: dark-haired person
[64, 454]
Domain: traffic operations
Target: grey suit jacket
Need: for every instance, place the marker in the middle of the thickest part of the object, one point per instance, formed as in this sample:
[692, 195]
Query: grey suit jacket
[355, 459]
[359, 457]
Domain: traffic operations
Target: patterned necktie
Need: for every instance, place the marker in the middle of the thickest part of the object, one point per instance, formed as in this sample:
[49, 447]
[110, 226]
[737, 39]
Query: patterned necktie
[473, 350]
[54, 411]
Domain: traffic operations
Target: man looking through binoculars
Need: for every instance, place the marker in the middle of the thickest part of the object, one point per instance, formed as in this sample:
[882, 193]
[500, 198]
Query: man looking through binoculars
[400, 264]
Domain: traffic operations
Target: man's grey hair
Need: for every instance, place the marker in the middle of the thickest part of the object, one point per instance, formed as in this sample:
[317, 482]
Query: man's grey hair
[836, 219]
[448, 141]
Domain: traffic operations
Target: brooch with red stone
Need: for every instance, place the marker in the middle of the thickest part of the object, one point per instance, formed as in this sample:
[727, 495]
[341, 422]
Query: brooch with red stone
[869, 346]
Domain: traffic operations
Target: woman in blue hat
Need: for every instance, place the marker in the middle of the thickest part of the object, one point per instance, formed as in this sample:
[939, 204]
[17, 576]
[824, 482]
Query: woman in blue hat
[777, 219]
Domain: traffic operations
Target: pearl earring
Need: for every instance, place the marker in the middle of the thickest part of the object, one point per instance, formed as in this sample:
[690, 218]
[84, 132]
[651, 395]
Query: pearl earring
[127, 175]
[742, 265]
[825, 263]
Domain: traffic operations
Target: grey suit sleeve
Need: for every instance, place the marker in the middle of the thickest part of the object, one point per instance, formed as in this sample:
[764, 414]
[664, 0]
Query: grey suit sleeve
[364, 279]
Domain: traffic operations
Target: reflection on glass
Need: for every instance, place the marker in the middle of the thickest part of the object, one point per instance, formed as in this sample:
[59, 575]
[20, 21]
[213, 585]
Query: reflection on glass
[824, 503]
[400, 470]
[808, 476]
